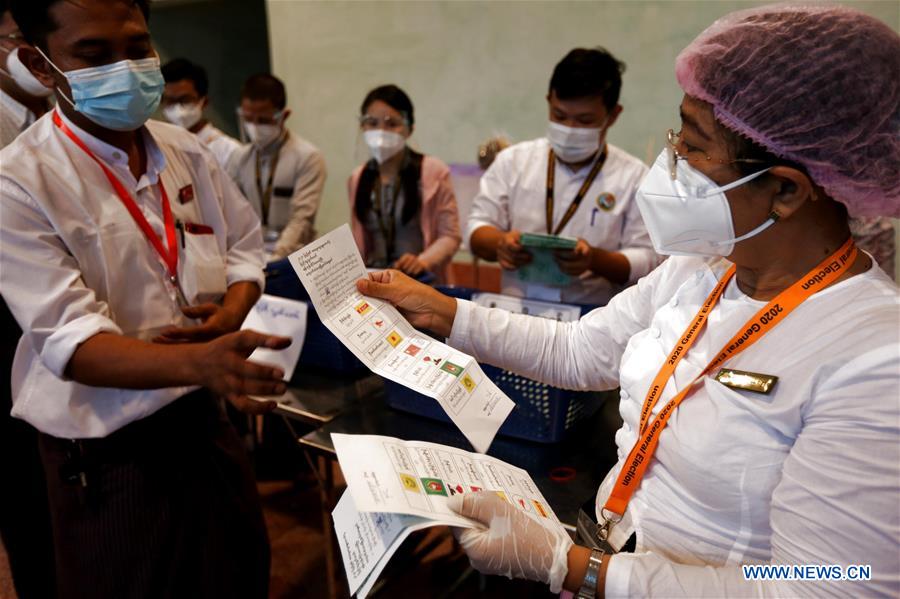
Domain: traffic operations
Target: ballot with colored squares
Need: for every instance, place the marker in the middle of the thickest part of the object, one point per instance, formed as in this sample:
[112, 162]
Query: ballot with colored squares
[390, 346]
[396, 487]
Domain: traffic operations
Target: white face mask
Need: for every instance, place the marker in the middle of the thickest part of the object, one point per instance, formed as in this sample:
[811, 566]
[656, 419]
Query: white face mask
[573, 144]
[19, 73]
[689, 216]
[184, 115]
[383, 144]
[262, 135]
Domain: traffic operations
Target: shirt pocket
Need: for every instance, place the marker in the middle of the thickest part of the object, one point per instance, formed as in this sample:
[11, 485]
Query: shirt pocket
[201, 265]
[280, 207]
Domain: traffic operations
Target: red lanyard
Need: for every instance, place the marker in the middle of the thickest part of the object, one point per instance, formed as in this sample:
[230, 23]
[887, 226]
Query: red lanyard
[170, 255]
[635, 466]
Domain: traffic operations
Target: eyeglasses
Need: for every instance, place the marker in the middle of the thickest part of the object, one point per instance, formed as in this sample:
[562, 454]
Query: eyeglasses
[673, 140]
[275, 119]
[369, 122]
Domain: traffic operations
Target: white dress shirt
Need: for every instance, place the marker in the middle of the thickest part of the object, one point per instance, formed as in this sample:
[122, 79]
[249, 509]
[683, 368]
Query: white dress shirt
[14, 118]
[513, 194]
[73, 262]
[296, 189]
[809, 474]
[221, 145]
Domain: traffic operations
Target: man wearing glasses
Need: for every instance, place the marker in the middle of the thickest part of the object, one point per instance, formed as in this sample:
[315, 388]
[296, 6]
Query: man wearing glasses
[280, 173]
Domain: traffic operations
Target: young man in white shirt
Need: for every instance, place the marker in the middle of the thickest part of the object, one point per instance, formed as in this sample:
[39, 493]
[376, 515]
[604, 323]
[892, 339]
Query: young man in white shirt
[280, 173]
[185, 98]
[587, 194]
[130, 260]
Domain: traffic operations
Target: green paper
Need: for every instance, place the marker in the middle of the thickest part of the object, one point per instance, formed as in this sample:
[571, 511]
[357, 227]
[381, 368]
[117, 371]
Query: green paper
[538, 240]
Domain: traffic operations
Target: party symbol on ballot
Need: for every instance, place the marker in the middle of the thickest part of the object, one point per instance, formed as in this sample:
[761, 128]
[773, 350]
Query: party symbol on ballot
[434, 486]
[409, 483]
[451, 368]
[394, 338]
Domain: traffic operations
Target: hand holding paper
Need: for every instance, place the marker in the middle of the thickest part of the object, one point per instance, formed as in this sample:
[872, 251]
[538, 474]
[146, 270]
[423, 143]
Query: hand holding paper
[389, 345]
[395, 487]
[423, 306]
[510, 542]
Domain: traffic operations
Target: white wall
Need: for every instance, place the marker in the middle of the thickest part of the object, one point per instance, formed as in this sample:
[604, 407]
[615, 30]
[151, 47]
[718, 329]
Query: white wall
[475, 68]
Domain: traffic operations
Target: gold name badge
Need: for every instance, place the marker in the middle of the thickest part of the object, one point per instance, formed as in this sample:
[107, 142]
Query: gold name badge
[749, 381]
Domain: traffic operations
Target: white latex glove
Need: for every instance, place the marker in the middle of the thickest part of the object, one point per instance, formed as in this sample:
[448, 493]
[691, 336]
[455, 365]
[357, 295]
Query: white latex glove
[515, 544]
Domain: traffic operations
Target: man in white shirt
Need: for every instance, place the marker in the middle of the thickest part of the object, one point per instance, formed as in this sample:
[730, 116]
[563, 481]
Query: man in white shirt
[24, 513]
[588, 193]
[280, 173]
[130, 260]
[185, 98]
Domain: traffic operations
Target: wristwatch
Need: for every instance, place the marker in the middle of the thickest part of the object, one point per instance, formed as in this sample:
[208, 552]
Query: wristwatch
[588, 588]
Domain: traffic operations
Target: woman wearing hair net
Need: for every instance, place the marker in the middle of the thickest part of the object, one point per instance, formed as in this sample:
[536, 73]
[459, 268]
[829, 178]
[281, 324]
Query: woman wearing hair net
[760, 365]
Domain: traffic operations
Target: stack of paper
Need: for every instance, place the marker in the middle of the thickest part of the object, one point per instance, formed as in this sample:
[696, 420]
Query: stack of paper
[396, 487]
[543, 268]
[384, 341]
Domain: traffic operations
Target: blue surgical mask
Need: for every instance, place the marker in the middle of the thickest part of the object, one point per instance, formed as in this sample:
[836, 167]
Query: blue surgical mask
[120, 96]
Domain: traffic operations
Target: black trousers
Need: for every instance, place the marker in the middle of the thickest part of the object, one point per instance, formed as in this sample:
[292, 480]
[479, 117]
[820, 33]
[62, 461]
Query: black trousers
[164, 507]
[24, 514]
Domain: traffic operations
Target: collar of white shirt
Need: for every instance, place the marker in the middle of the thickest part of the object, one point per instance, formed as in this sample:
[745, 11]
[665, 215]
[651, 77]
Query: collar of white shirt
[207, 134]
[21, 115]
[118, 159]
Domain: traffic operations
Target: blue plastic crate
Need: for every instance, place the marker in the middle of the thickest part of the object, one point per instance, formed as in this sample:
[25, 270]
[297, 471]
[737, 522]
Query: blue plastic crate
[543, 413]
[321, 349]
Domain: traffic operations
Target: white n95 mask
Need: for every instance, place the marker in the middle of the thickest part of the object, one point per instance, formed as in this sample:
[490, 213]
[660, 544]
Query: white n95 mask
[23, 77]
[690, 215]
[383, 144]
[262, 135]
[573, 144]
[184, 115]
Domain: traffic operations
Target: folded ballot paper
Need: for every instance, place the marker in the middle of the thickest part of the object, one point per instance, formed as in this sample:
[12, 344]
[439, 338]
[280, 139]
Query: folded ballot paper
[543, 268]
[384, 341]
[396, 487]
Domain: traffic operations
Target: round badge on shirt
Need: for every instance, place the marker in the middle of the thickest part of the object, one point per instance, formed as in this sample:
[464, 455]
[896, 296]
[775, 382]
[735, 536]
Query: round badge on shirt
[606, 201]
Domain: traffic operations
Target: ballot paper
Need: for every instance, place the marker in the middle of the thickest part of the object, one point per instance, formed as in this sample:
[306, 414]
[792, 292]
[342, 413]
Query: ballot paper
[387, 344]
[368, 540]
[283, 317]
[543, 268]
[395, 488]
[518, 305]
[416, 478]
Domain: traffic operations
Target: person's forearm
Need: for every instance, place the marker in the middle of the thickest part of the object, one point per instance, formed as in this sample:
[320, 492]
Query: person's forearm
[439, 252]
[484, 242]
[612, 266]
[240, 298]
[443, 315]
[578, 563]
[110, 360]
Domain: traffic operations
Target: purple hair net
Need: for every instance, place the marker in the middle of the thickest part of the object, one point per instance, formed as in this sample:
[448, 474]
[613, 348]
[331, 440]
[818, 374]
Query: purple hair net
[817, 85]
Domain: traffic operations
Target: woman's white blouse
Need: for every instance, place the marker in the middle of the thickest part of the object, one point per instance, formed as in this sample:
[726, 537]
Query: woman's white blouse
[809, 474]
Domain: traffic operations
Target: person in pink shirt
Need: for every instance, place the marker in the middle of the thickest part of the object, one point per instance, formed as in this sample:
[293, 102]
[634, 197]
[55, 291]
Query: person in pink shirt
[402, 207]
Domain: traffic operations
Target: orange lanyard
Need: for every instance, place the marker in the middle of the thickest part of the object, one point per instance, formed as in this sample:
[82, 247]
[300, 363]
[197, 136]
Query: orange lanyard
[570, 212]
[635, 466]
[169, 255]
